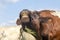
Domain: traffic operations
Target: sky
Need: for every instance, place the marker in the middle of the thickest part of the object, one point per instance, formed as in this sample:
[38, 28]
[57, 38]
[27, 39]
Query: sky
[9, 9]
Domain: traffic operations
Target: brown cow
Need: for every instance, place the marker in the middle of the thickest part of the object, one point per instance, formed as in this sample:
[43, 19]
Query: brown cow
[36, 23]
[51, 27]
[45, 21]
[49, 24]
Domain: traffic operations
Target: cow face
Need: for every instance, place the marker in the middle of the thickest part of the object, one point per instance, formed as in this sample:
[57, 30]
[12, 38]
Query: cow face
[34, 15]
[46, 20]
[46, 24]
[36, 23]
[25, 15]
[35, 18]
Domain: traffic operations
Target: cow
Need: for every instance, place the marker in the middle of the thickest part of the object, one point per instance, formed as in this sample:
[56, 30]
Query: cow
[40, 19]
[36, 23]
[46, 25]
[25, 18]
[30, 19]
[42, 22]
[45, 20]
[50, 25]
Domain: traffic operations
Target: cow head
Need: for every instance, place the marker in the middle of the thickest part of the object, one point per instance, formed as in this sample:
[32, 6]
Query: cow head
[35, 18]
[36, 23]
[25, 15]
[45, 25]
[45, 20]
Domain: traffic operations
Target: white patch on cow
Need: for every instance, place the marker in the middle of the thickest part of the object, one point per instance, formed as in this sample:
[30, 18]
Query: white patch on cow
[56, 13]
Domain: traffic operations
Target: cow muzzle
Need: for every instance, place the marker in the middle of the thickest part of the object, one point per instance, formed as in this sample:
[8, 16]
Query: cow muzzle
[44, 33]
[25, 19]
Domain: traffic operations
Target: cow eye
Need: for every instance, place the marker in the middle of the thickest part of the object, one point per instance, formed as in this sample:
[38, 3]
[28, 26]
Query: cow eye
[50, 20]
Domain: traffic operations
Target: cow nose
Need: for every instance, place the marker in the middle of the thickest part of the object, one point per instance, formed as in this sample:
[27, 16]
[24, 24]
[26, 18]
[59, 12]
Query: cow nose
[44, 34]
[24, 16]
[25, 19]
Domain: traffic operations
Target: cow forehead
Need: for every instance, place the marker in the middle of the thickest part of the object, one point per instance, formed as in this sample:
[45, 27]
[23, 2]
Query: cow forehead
[56, 13]
[24, 13]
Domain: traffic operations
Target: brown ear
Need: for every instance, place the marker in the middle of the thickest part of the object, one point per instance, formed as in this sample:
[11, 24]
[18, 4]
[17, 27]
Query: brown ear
[18, 22]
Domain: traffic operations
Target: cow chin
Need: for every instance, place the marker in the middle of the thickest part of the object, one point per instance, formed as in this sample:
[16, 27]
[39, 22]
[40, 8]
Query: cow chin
[44, 34]
[25, 19]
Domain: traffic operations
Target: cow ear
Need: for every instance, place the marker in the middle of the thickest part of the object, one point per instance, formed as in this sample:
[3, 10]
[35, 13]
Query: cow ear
[18, 22]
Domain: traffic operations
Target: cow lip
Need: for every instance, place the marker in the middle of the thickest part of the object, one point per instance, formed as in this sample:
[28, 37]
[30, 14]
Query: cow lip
[25, 19]
[24, 16]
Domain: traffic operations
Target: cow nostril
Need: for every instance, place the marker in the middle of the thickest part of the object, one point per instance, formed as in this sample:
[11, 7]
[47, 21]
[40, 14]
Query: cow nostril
[24, 16]
[44, 34]
[25, 19]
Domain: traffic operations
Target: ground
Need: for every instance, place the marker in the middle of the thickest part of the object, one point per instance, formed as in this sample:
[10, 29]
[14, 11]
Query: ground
[13, 33]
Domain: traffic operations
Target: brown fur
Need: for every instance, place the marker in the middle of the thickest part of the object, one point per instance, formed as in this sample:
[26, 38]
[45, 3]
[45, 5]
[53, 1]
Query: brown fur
[52, 26]
[43, 22]
[36, 23]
